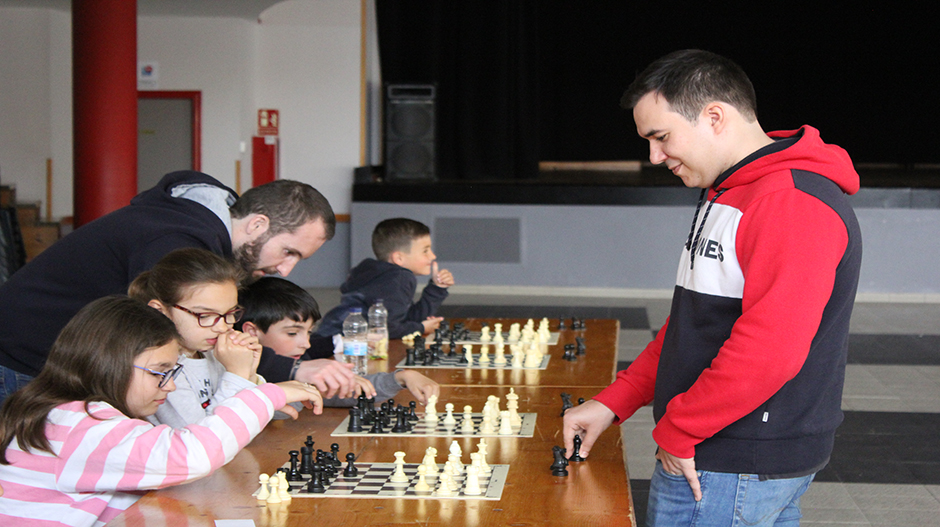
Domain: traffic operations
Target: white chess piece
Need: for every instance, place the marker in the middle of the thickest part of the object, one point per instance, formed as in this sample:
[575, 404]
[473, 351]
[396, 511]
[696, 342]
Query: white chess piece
[516, 356]
[273, 495]
[481, 449]
[500, 355]
[283, 489]
[422, 484]
[512, 402]
[486, 427]
[443, 487]
[399, 475]
[467, 425]
[484, 354]
[429, 461]
[485, 334]
[505, 424]
[263, 491]
[430, 411]
[451, 480]
[472, 485]
[449, 419]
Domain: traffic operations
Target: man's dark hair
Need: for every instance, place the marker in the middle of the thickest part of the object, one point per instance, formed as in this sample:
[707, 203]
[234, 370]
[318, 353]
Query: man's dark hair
[270, 300]
[287, 204]
[690, 79]
[396, 234]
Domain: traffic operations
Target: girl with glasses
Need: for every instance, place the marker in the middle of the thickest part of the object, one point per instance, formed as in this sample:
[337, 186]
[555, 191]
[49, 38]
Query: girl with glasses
[74, 446]
[198, 291]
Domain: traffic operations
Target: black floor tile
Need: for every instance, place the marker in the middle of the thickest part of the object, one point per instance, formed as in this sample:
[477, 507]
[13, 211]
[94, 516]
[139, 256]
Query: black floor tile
[630, 317]
[911, 350]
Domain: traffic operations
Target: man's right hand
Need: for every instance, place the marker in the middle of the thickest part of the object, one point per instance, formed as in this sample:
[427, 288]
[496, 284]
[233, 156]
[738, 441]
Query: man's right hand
[331, 377]
[587, 420]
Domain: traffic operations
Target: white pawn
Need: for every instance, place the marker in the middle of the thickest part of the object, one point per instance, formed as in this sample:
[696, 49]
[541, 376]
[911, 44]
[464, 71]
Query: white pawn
[485, 334]
[484, 354]
[429, 461]
[516, 356]
[430, 411]
[263, 491]
[486, 427]
[467, 425]
[455, 464]
[472, 486]
[500, 355]
[283, 489]
[481, 449]
[273, 496]
[451, 480]
[505, 424]
[399, 476]
[468, 353]
[449, 419]
[498, 330]
[443, 488]
[422, 484]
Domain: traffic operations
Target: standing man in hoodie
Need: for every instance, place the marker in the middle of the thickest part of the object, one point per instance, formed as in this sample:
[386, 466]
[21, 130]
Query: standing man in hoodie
[266, 231]
[746, 374]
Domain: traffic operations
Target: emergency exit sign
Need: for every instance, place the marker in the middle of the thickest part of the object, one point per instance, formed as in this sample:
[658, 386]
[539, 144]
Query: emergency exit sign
[267, 121]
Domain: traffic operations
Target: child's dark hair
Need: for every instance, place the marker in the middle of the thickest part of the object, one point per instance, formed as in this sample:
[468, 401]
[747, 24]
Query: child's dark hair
[168, 279]
[396, 234]
[91, 360]
[270, 300]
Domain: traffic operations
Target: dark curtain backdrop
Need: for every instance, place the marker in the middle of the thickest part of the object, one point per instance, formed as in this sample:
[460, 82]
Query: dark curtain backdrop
[524, 81]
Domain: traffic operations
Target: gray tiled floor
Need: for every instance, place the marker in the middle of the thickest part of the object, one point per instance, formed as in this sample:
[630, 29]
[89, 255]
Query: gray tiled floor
[868, 388]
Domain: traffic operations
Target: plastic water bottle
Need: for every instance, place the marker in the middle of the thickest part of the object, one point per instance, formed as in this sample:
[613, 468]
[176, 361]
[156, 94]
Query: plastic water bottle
[378, 330]
[355, 344]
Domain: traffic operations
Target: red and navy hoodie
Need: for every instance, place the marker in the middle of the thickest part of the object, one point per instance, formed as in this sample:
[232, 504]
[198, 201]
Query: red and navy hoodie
[746, 375]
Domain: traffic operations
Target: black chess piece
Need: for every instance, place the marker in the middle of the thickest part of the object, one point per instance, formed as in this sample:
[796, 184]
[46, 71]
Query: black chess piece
[355, 420]
[377, 424]
[306, 460]
[580, 401]
[350, 471]
[410, 357]
[561, 323]
[412, 411]
[569, 353]
[582, 348]
[294, 474]
[401, 422]
[565, 403]
[559, 467]
[334, 455]
[576, 455]
[316, 481]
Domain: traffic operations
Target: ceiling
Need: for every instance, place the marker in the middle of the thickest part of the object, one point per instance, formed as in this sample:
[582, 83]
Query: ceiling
[246, 9]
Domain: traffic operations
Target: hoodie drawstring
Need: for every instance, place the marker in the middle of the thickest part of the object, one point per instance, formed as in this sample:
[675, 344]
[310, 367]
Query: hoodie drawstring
[691, 244]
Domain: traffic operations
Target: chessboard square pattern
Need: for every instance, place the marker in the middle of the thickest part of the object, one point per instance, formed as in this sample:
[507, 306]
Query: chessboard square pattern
[474, 338]
[425, 429]
[373, 482]
[448, 362]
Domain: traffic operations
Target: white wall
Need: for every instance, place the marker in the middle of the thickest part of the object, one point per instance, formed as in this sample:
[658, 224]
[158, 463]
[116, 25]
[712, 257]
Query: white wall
[302, 57]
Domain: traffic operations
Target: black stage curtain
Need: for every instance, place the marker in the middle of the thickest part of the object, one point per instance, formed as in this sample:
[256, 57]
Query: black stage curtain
[482, 58]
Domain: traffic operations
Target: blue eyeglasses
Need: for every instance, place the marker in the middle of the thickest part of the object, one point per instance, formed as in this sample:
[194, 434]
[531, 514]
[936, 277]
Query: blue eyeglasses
[167, 376]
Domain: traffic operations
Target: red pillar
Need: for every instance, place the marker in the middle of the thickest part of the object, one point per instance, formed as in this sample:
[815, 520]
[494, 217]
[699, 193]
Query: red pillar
[104, 95]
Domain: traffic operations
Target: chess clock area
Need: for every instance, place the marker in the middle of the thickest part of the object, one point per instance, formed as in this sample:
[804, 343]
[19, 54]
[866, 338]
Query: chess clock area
[595, 492]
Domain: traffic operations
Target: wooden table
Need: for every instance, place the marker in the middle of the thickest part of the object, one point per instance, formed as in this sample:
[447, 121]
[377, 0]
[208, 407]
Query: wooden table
[595, 493]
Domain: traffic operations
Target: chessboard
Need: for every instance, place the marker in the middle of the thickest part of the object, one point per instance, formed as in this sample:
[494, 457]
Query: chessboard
[437, 429]
[473, 337]
[453, 362]
[372, 481]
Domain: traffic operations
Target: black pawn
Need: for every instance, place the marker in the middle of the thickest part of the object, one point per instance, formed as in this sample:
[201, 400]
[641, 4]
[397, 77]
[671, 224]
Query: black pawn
[350, 471]
[582, 348]
[580, 400]
[294, 474]
[559, 467]
[377, 426]
[565, 403]
[334, 455]
[576, 455]
[401, 422]
[316, 482]
[355, 420]
[412, 411]
[561, 323]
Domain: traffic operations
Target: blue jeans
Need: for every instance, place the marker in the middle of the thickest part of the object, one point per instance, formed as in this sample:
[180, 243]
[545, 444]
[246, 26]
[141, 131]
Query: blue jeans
[728, 500]
[10, 381]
